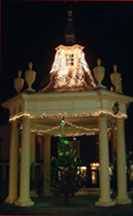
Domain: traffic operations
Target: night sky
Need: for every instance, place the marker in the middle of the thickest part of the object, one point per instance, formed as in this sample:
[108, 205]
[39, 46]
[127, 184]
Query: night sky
[32, 30]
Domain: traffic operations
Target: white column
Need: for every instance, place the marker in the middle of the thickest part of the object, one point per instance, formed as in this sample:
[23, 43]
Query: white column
[122, 196]
[47, 166]
[104, 199]
[13, 165]
[24, 198]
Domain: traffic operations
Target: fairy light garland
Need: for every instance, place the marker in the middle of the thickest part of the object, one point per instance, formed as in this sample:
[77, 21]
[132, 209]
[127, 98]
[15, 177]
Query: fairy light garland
[89, 131]
[65, 123]
[46, 130]
[60, 116]
[19, 115]
[42, 132]
[76, 134]
[81, 127]
[65, 115]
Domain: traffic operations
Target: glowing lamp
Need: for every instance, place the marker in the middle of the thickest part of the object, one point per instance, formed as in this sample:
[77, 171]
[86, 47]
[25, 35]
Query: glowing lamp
[62, 121]
[94, 164]
[66, 142]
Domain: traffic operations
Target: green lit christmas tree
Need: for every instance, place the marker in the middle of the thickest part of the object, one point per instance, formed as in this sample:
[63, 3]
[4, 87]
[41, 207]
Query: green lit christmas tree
[67, 178]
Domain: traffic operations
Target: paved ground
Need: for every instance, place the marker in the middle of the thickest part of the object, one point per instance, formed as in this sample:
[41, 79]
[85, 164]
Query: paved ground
[81, 204]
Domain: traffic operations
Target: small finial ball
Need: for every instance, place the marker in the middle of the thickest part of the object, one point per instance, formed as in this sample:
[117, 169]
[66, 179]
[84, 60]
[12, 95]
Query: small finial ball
[69, 13]
[19, 74]
[30, 65]
[115, 67]
[98, 61]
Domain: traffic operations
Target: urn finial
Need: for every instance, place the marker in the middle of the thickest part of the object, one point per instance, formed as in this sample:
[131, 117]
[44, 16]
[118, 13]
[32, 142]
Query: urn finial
[30, 65]
[99, 73]
[30, 77]
[116, 79]
[19, 82]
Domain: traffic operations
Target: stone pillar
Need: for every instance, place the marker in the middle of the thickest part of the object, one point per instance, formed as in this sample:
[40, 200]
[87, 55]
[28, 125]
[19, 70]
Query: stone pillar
[24, 198]
[13, 165]
[104, 199]
[47, 166]
[122, 196]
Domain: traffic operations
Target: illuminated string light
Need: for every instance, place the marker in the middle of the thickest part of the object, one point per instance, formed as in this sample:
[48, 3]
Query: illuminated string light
[70, 65]
[61, 117]
[89, 131]
[65, 123]
[94, 164]
[46, 130]
[81, 127]
[65, 115]
[19, 115]
[42, 132]
[76, 134]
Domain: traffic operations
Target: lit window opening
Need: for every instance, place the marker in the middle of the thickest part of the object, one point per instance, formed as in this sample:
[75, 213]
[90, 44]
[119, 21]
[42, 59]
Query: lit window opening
[69, 59]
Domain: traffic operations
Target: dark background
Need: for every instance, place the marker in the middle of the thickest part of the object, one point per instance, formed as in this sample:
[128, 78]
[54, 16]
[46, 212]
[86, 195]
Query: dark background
[32, 30]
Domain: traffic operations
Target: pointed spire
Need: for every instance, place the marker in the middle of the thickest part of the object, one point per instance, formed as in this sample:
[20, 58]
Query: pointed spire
[69, 34]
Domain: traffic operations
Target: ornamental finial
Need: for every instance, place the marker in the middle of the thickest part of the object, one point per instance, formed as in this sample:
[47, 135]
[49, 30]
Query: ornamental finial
[69, 33]
[19, 82]
[30, 77]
